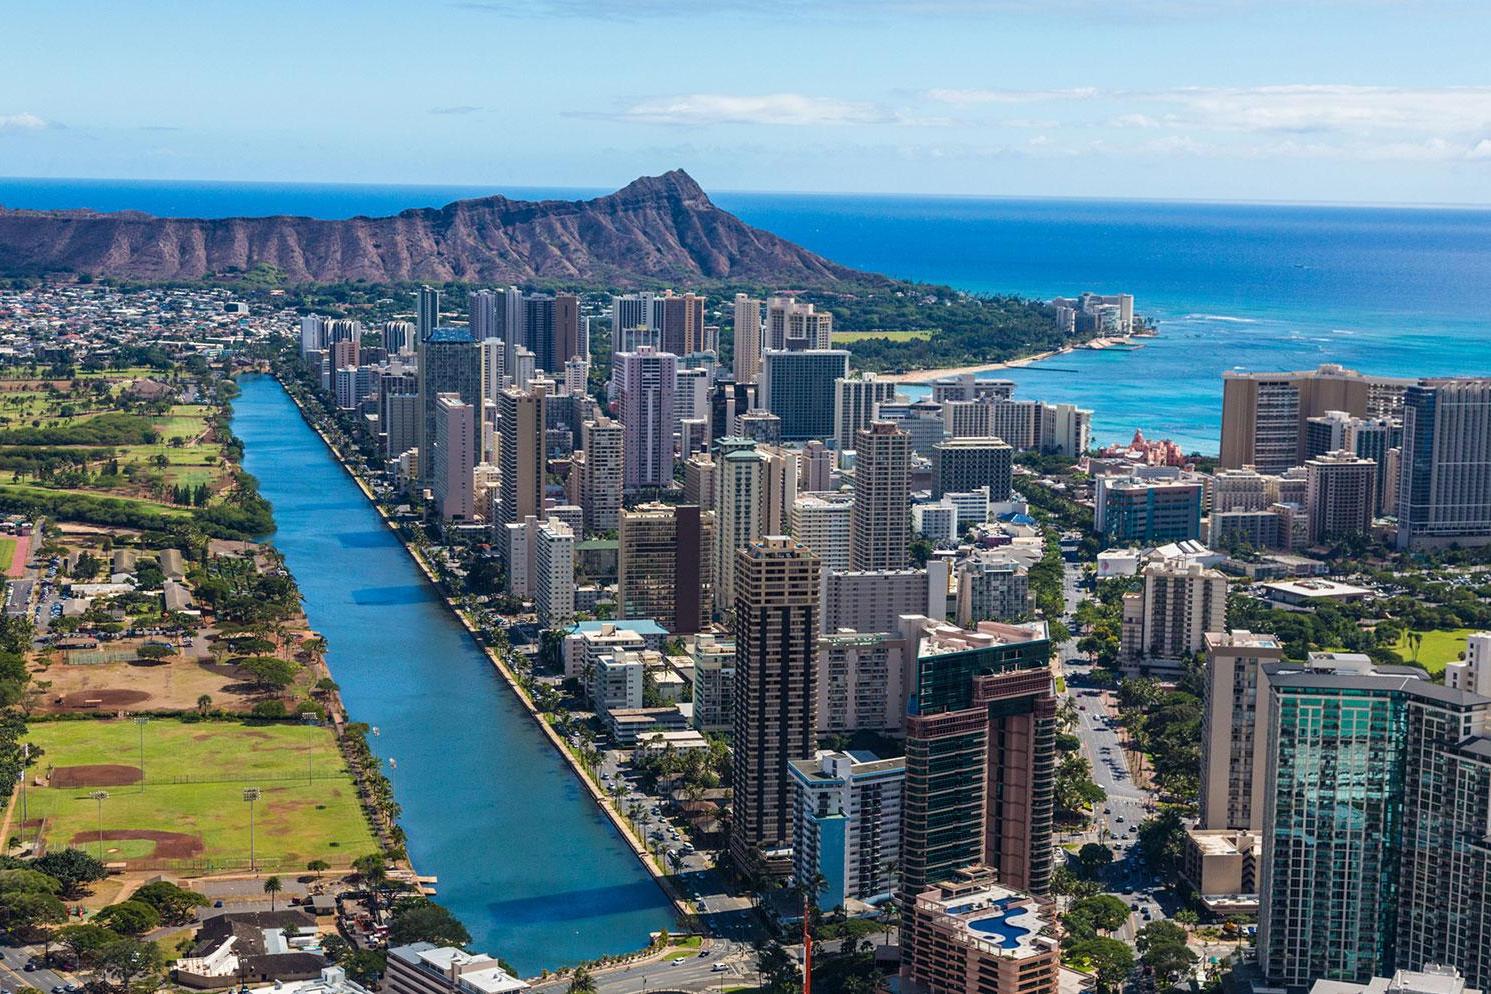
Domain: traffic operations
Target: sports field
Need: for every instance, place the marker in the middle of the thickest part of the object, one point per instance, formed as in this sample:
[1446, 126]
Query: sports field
[1437, 649]
[190, 808]
[912, 335]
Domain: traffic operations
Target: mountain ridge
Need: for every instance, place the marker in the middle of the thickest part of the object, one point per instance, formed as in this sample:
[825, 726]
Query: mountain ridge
[656, 228]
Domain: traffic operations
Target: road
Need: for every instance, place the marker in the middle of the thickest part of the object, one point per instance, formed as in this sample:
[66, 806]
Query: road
[1116, 824]
[724, 915]
[690, 973]
[14, 977]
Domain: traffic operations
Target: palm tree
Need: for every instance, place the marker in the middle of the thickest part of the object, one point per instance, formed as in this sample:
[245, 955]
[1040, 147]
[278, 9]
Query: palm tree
[272, 886]
[581, 981]
[204, 702]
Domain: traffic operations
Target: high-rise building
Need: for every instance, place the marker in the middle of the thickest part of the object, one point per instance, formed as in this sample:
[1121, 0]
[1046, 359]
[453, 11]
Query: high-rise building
[880, 522]
[1166, 621]
[1444, 484]
[992, 587]
[776, 625]
[646, 380]
[312, 333]
[520, 423]
[665, 566]
[740, 510]
[847, 824]
[855, 402]
[821, 522]
[980, 761]
[861, 682]
[1066, 430]
[493, 367]
[1234, 729]
[1378, 805]
[792, 325]
[973, 934]
[797, 387]
[963, 464]
[454, 458]
[872, 600]
[450, 362]
[714, 683]
[602, 479]
[817, 467]
[1341, 495]
[747, 339]
[698, 480]
[681, 323]
[1472, 671]
[554, 574]
[427, 312]
[567, 337]
[631, 322]
[1264, 415]
[1149, 511]
[399, 419]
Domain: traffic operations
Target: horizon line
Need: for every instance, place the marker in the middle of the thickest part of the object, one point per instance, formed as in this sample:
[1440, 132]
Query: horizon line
[592, 191]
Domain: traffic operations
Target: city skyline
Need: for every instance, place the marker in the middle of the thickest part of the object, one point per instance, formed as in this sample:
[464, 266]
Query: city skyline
[1359, 102]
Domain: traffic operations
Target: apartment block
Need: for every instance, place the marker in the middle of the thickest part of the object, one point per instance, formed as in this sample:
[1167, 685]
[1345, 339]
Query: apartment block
[847, 825]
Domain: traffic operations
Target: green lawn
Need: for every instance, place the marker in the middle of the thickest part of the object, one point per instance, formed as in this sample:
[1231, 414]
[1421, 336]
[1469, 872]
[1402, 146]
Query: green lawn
[7, 553]
[296, 819]
[912, 335]
[1438, 648]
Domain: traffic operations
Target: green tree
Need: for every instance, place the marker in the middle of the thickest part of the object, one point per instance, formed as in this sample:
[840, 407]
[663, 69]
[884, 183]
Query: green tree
[273, 886]
[22, 911]
[129, 959]
[421, 920]
[1110, 960]
[73, 868]
[365, 965]
[175, 905]
[318, 867]
[1105, 911]
[24, 880]
[129, 917]
[1092, 857]
[86, 943]
[155, 651]
[270, 672]
[581, 981]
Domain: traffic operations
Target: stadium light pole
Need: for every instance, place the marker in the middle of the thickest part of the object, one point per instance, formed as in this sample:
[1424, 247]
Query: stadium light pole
[251, 794]
[99, 797]
[140, 722]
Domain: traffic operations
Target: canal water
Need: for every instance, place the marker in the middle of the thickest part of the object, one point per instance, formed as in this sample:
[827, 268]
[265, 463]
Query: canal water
[523, 857]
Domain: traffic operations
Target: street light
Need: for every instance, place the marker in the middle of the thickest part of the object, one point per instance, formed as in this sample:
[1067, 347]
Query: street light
[251, 794]
[100, 796]
[140, 721]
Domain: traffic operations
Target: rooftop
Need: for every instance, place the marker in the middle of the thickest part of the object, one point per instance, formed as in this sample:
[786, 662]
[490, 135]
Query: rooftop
[939, 638]
[991, 918]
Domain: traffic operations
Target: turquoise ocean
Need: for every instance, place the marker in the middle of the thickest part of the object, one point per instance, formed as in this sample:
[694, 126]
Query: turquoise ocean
[1243, 286]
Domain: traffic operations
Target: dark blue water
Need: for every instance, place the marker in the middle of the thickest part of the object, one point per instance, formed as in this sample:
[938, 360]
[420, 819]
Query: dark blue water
[1233, 286]
[524, 858]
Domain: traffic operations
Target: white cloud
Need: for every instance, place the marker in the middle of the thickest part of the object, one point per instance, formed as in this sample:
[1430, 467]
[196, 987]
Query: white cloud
[1307, 108]
[1480, 150]
[968, 98]
[21, 122]
[771, 108]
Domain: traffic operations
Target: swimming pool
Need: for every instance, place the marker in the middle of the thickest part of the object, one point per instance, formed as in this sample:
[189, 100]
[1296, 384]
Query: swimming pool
[1008, 933]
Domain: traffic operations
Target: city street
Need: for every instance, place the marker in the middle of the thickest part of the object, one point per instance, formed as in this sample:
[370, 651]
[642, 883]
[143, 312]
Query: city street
[1117, 823]
[689, 973]
[14, 976]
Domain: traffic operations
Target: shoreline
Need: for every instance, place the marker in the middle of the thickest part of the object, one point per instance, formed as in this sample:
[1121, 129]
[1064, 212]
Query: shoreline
[682, 907]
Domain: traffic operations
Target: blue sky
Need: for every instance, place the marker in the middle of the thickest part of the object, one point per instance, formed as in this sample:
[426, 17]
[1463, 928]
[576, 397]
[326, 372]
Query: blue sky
[1341, 100]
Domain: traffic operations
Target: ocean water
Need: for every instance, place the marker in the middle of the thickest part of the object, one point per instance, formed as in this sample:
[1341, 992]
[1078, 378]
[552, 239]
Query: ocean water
[1232, 286]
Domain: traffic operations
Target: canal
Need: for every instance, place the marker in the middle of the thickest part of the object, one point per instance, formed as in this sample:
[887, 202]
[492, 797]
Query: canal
[523, 857]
